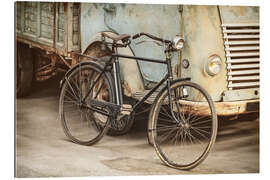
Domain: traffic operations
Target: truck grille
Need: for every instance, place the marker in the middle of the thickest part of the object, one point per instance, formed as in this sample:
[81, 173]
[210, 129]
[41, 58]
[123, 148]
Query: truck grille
[242, 48]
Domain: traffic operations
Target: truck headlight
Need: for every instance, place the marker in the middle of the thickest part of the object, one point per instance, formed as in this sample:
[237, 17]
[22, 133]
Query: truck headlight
[178, 42]
[213, 66]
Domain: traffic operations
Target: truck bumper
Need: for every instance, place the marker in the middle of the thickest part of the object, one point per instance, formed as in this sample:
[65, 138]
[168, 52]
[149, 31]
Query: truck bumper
[222, 108]
[237, 107]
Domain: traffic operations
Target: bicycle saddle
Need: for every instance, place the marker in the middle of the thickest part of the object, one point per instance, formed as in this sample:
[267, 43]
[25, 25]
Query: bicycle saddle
[115, 37]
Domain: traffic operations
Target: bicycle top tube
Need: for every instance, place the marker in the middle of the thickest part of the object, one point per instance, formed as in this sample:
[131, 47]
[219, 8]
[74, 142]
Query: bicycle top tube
[140, 58]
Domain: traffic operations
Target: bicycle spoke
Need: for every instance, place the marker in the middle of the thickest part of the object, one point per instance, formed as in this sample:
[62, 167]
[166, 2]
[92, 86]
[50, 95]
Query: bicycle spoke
[72, 89]
[201, 122]
[166, 112]
[186, 144]
[99, 89]
[199, 131]
[82, 125]
[166, 128]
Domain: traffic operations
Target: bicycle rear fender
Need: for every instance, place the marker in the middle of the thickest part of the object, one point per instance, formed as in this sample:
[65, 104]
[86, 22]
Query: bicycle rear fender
[92, 63]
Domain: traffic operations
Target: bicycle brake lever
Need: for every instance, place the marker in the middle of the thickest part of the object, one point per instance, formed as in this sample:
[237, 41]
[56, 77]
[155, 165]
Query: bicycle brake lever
[140, 42]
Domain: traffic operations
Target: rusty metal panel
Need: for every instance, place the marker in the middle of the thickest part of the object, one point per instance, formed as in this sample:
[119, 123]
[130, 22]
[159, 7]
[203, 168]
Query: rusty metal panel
[160, 20]
[204, 39]
[130, 73]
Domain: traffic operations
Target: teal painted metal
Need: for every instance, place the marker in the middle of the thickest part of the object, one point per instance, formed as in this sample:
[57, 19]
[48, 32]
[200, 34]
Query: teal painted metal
[239, 14]
[78, 24]
[159, 20]
[241, 94]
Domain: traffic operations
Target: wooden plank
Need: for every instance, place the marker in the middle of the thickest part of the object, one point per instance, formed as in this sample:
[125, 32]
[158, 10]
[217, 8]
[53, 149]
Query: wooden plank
[244, 54]
[38, 20]
[243, 72]
[247, 36]
[243, 60]
[47, 21]
[46, 31]
[244, 84]
[242, 48]
[242, 42]
[241, 25]
[18, 16]
[243, 66]
[241, 31]
[22, 16]
[61, 21]
[240, 78]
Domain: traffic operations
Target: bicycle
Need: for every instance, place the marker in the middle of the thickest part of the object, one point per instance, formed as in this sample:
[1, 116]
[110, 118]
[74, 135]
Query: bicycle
[182, 116]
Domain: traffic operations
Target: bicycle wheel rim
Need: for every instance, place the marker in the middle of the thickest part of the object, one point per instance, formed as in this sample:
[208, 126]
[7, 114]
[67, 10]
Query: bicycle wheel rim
[179, 157]
[90, 131]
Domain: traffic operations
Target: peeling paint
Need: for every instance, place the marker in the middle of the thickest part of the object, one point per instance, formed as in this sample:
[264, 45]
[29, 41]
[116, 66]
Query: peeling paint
[202, 33]
[239, 14]
[132, 19]
[203, 39]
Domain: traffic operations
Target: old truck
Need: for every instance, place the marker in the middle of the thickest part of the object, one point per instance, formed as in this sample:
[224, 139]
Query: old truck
[221, 50]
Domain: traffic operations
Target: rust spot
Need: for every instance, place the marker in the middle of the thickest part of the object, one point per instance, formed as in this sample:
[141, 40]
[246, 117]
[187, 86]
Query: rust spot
[127, 89]
[94, 50]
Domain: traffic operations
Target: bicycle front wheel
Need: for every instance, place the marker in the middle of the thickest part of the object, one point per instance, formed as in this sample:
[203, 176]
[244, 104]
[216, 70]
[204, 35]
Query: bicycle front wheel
[82, 125]
[183, 133]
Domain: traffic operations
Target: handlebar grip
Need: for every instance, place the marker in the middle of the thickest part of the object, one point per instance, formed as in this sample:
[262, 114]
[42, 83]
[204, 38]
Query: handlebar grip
[136, 36]
[150, 36]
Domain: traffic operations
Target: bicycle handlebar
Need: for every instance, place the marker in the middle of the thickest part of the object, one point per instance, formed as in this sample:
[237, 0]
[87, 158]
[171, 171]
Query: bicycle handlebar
[150, 36]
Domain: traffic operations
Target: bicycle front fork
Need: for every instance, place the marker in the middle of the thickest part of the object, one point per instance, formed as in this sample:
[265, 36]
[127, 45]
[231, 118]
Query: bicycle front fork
[170, 79]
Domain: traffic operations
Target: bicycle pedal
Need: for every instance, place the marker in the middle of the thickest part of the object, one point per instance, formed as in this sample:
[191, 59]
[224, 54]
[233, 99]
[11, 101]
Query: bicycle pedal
[126, 109]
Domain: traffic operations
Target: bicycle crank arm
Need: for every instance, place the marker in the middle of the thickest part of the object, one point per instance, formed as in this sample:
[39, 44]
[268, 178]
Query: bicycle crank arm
[101, 111]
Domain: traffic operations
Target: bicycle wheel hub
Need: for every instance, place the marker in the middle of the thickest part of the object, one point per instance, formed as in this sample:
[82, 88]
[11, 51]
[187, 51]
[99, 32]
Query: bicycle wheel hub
[186, 125]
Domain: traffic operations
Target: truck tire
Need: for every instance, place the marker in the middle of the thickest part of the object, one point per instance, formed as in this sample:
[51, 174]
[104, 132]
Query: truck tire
[123, 125]
[24, 69]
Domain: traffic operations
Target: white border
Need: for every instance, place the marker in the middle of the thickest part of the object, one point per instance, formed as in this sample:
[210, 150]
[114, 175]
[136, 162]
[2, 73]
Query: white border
[7, 90]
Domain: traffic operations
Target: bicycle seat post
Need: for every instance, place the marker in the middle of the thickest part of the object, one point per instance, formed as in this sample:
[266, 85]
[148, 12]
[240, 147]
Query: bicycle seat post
[116, 75]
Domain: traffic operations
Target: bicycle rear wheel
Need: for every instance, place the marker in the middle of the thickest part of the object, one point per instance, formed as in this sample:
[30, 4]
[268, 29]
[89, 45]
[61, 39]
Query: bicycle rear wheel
[81, 125]
[184, 136]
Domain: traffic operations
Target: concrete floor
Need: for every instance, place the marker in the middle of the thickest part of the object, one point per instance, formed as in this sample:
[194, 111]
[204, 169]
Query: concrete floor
[42, 150]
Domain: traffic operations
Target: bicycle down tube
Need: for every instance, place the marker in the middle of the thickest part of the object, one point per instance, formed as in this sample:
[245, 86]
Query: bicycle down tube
[117, 82]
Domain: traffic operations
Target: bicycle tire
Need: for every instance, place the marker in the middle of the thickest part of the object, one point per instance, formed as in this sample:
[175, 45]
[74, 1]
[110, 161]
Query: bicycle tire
[168, 154]
[94, 122]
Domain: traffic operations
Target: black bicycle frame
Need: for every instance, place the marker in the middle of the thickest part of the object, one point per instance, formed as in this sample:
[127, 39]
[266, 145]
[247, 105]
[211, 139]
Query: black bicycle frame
[168, 77]
[153, 89]
[114, 61]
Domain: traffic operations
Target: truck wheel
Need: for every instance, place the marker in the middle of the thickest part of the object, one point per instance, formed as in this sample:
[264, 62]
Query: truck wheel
[24, 70]
[123, 125]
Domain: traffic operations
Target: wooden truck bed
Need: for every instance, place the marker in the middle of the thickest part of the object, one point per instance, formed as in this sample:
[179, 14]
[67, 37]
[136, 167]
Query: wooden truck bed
[50, 26]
